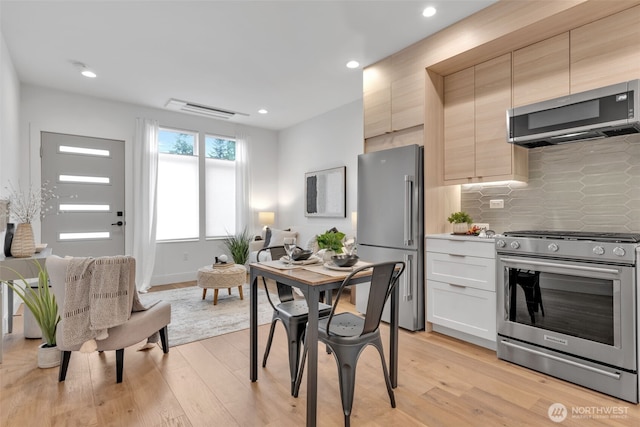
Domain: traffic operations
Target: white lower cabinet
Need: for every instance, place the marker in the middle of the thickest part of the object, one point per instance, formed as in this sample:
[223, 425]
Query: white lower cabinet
[462, 308]
[461, 290]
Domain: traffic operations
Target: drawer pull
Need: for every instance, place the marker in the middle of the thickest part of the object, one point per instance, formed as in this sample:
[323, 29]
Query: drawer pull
[458, 255]
[456, 286]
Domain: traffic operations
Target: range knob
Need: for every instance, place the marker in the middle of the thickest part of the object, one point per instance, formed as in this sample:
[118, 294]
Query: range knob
[515, 245]
[598, 250]
[618, 251]
[500, 243]
[553, 247]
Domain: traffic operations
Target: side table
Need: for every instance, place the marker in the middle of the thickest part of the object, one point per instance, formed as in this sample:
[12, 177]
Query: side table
[230, 276]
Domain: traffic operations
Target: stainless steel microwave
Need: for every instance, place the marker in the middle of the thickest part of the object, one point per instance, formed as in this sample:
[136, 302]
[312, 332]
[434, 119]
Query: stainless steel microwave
[600, 113]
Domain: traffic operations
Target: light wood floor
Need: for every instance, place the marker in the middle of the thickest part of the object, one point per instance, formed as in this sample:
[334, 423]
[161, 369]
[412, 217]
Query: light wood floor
[442, 382]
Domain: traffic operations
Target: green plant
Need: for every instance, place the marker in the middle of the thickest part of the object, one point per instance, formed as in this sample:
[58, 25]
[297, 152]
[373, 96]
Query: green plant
[41, 301]
[238, 246]
[459, 218]
[332, 239]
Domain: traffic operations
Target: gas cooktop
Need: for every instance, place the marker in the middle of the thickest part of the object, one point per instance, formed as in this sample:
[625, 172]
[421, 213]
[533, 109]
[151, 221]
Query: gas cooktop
[577, 235]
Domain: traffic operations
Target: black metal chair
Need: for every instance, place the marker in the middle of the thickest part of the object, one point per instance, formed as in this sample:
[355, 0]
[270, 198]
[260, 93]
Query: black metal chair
[347, 334]
[293, 313]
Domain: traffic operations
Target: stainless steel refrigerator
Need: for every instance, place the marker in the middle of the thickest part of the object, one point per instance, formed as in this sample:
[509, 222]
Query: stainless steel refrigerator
[391, 224]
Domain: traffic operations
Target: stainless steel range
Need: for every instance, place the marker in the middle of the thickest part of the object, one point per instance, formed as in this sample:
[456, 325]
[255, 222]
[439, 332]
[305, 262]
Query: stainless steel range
[567, 306]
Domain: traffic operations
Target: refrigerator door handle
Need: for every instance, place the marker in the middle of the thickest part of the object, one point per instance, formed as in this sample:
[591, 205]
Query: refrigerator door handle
[408, 209]
[407, 293]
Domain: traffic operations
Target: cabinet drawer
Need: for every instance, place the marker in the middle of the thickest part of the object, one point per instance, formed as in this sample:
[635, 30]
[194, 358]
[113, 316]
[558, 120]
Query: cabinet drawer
[484, 249]
[467, 310]
[474, 272]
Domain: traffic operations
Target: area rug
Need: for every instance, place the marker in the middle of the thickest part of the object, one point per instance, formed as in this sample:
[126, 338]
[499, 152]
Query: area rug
[194, 319]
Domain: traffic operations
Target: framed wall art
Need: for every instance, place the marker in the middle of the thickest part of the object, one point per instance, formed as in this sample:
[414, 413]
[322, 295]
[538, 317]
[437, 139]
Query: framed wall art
[325, 193]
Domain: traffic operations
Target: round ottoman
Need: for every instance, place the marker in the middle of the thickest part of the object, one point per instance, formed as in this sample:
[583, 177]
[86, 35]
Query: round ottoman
[227, 276]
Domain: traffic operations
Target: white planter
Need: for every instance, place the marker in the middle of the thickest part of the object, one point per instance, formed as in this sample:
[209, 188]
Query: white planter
[326, 254]
[48, 357]
[461, 228]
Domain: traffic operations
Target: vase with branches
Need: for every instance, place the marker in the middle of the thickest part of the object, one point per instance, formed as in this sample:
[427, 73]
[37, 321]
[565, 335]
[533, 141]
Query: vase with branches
[24, 207]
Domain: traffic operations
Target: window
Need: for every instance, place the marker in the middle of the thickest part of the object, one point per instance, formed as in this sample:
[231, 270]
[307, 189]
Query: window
[220, 184]
[181, 168]
[178, 185]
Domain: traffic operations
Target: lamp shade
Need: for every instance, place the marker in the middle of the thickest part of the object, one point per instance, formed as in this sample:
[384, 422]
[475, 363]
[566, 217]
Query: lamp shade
[266, 218]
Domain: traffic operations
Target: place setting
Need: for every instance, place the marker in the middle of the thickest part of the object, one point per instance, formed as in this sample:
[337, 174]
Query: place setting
[341, 263]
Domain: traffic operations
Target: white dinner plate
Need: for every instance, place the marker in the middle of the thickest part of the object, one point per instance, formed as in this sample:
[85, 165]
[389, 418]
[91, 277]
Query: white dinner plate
[332, 266]
[310, 261]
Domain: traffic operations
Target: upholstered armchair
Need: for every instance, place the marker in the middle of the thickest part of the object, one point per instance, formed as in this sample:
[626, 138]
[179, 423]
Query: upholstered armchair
[139, 323]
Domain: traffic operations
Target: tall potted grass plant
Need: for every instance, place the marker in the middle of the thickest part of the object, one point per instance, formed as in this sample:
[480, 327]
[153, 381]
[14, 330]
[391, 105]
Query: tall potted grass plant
[238, 246]
[42, 303]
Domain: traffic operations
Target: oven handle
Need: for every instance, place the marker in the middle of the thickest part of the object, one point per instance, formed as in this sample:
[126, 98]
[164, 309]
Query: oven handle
[565, 266]
[560, 359]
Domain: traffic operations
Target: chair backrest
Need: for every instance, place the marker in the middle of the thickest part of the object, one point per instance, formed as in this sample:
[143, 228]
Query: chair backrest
[57, 268]
[384, 278]
[285, 293]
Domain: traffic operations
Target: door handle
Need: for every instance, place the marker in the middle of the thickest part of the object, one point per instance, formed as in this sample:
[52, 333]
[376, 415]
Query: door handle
[408, 208]
[119, 223]
[407, 294]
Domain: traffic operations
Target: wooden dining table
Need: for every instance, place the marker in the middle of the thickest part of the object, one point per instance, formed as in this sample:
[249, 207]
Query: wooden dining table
[313, 281]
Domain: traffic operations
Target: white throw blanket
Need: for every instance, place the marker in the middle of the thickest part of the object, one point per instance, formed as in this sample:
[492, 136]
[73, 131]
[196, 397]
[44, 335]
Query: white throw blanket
[99, 294]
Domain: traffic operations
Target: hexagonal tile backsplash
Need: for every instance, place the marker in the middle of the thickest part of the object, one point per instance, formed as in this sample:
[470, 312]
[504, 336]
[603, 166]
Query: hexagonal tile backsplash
[581, 186]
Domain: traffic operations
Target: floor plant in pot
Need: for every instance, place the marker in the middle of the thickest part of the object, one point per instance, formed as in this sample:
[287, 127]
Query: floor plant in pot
[42, 303]
[238, 246]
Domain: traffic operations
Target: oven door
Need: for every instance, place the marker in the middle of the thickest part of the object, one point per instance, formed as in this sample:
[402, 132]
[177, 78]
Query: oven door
[583, 309]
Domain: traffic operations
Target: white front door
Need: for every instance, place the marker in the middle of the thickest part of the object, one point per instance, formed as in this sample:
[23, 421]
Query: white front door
[87, 219]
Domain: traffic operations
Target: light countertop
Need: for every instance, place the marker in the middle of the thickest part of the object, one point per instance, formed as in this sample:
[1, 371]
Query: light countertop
[470, 238]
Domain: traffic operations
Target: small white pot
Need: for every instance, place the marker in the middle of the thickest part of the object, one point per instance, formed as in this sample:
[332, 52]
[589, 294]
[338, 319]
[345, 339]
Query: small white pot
[48, 357]
[461, 228]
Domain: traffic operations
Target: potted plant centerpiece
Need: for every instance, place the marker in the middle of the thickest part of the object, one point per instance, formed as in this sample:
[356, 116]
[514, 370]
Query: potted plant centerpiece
[330, 243]
[238, 246]
[461, 222]
[42, 303]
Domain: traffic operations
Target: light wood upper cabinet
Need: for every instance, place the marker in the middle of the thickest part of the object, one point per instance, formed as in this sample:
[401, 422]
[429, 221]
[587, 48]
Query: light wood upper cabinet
[475, 130]
[376, 81]
[394, 93]
[459, 125]
[606, 51]
[407, 101]
[492, 100]
[407, 87]
[541, 71]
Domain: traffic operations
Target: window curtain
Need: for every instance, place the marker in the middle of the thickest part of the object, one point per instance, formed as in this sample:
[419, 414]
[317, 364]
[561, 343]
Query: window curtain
[145, 176]
[244, 219]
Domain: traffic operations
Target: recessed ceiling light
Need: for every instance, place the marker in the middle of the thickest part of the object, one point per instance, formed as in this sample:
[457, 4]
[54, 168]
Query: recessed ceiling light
[353, 64]
[84, 70]
[262, 111]
[429, 11]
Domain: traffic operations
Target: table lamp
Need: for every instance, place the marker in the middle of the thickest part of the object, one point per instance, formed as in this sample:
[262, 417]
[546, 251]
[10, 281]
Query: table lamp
[266, 218]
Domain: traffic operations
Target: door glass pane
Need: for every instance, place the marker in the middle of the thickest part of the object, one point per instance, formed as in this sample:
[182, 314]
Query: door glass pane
[85, 179]
[85, 236]
[84, 150]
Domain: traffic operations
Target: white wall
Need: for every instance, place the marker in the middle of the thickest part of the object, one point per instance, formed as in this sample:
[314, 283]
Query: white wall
[330, 140]
[50, 110]
[10, 152]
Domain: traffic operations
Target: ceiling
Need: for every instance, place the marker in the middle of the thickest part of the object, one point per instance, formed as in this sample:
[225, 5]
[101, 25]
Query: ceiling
[287, 57]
